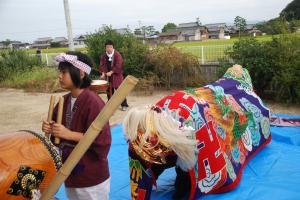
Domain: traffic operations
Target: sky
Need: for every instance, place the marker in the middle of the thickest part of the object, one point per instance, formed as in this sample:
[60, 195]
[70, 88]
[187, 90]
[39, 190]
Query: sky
[27, 20]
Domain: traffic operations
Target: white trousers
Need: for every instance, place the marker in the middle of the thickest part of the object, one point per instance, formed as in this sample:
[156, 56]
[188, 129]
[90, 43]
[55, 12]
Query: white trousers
[97, 192]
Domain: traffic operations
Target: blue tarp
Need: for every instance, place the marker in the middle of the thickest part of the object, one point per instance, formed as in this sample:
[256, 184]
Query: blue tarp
[274, 173]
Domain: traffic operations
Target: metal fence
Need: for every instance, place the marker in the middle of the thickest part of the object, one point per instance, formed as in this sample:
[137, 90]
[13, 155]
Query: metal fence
[210, 54]
[208, 67]
[47, 58]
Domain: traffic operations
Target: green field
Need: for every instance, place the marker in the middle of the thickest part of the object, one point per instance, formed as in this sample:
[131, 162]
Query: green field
[220, 42]
[55, 50]
[214, 49]
[207, 51]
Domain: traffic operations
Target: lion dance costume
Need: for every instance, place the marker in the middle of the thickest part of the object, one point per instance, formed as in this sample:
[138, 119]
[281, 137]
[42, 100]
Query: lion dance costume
[209, 133]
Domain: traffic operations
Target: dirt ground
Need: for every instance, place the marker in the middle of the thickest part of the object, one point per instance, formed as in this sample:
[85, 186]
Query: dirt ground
[24, 111]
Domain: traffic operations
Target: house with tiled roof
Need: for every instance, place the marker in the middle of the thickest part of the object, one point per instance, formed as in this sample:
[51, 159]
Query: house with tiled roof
[79, 41]
[61, 41]
[216, 30]
[192, 31]
[42, 43]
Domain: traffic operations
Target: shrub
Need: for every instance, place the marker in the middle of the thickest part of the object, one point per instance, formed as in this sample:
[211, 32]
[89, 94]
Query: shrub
[252, 55]
[131, 49]
[175, 68]
[166, 64]
[13, 61]
[35, 80]
[272, 65]
[285, 52]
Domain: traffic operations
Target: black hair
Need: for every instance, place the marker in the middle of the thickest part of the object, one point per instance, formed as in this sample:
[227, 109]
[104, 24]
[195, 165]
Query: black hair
[109, 42]
[75, 72]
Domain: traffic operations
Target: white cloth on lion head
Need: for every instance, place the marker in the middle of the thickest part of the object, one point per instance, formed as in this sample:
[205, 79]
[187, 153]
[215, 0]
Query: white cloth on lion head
[167, 129]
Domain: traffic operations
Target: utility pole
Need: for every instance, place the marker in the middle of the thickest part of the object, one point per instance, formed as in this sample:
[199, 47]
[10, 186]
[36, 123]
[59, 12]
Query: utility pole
[69, 25]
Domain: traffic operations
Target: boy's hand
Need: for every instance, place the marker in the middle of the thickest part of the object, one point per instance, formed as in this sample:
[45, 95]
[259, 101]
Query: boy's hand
[47, 127]
[59, 130]
[102, 76]
[109, 73]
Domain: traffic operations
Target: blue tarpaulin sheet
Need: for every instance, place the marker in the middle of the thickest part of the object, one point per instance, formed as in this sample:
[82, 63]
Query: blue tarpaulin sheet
[273, 173]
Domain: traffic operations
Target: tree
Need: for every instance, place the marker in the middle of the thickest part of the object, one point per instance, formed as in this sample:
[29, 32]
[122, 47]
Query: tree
[168, 26]
[277, 61]
[7, 42]
[294, 25]
[240, 23]
[55, 44]
[291, 11]
[276, 26]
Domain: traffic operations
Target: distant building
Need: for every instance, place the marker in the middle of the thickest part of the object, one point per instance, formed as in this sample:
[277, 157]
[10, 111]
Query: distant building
[232, 29]
[250, 29]
[14, 45]
[217, 30]
[254, 32]
[3, 46]
[79, 41]
[192, 31]
[123, 31]
[150, 38]
[42, 43]
[60, 41]
[169, 37]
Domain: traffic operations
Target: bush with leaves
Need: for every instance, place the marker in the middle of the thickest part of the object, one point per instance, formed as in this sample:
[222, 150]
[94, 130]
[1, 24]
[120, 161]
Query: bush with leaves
[175, 68]
[272, 65]
[274, 26]
[167, 64]
[13, 61]
[255, 57]
[132, 50]
[285, 52]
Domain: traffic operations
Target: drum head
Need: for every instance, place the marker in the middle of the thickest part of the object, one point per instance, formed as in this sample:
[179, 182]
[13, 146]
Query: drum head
[99, 82]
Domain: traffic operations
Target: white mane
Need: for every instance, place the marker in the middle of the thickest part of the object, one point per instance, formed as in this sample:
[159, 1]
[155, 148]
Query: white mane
[167, 129]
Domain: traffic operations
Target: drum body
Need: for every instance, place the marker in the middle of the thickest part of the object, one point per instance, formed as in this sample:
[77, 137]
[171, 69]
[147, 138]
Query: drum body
[99, 86]
[28, 161]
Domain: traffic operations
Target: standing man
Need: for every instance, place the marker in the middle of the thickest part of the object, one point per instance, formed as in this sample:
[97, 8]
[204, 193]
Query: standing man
[111, 64]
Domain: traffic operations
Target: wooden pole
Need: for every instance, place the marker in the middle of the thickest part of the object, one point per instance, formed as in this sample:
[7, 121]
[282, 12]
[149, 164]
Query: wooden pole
[90, 135]
[50, 111]
[69, 25]
[59, 116]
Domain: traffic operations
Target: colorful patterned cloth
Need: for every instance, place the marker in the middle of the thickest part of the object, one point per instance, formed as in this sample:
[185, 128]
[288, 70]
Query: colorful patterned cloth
[231, 125]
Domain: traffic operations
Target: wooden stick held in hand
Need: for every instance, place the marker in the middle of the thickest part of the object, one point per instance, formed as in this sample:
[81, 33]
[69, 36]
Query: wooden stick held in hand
[50, 111]
[59, 116]
[111, 106]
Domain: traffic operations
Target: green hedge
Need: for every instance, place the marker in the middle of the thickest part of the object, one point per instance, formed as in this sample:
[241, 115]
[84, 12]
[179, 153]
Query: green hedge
[273, 65]
[132, 50]
[166, 65]
[13, 61]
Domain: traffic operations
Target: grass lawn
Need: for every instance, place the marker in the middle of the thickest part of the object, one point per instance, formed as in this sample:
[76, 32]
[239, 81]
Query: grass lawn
[55, 50]
[214, 49]
[214, 42]
[38, 79]
[206, 51]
